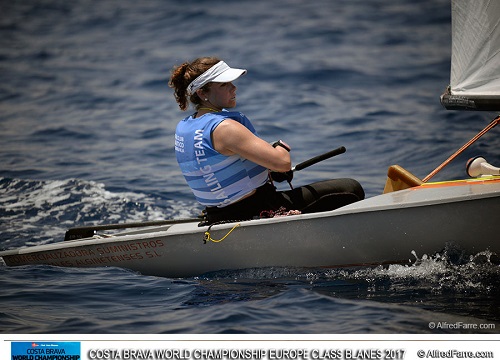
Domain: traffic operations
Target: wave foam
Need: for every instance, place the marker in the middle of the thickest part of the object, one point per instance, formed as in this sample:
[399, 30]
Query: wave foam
[36, 212]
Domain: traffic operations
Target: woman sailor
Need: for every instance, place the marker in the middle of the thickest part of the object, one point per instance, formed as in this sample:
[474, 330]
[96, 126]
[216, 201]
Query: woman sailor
[224, 161]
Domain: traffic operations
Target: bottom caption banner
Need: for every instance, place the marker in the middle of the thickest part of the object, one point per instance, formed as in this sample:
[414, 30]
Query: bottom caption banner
[252, 350]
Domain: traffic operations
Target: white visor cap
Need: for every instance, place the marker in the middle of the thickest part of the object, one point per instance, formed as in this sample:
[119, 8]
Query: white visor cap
[220, 72]
[230, 74]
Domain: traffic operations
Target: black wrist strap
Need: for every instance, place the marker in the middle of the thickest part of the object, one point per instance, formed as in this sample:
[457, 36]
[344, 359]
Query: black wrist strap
[282, 144]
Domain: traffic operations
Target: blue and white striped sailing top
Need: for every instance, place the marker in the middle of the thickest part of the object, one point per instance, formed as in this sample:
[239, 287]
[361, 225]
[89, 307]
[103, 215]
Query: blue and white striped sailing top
[215, 179]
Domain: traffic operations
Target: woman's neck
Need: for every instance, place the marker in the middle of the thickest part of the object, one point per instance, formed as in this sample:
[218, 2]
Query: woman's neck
[208, 109]
[205, 110]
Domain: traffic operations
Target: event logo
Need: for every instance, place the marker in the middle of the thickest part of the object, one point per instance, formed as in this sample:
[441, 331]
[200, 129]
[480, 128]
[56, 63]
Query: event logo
[45, 351]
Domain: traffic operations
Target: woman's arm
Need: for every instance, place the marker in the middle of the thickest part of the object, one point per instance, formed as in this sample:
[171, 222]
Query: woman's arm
[230, 137]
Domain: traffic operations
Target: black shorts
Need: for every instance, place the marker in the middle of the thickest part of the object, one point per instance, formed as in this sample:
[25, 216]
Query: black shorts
[264, 198]
[320, 196]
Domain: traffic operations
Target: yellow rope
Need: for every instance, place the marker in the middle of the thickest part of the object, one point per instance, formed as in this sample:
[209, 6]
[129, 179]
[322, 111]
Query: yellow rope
[207, 236]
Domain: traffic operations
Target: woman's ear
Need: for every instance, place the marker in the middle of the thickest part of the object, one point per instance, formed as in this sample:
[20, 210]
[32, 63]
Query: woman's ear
[201, 94]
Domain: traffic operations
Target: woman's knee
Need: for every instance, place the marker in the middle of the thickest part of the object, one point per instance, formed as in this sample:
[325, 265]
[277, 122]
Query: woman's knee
[354, 187]
[346, 186]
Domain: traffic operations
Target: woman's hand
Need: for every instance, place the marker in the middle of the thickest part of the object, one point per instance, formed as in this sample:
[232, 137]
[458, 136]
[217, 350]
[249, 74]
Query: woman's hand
[281, 176]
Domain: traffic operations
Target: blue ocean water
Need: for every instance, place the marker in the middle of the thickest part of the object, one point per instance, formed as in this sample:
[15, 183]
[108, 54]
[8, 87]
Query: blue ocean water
[86, 137]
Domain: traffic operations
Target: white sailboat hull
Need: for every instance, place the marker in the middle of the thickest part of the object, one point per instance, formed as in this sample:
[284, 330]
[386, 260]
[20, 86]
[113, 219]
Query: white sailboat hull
[384, 229]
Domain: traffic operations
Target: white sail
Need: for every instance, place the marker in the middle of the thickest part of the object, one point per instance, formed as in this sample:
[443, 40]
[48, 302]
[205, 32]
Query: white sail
[475, 59]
